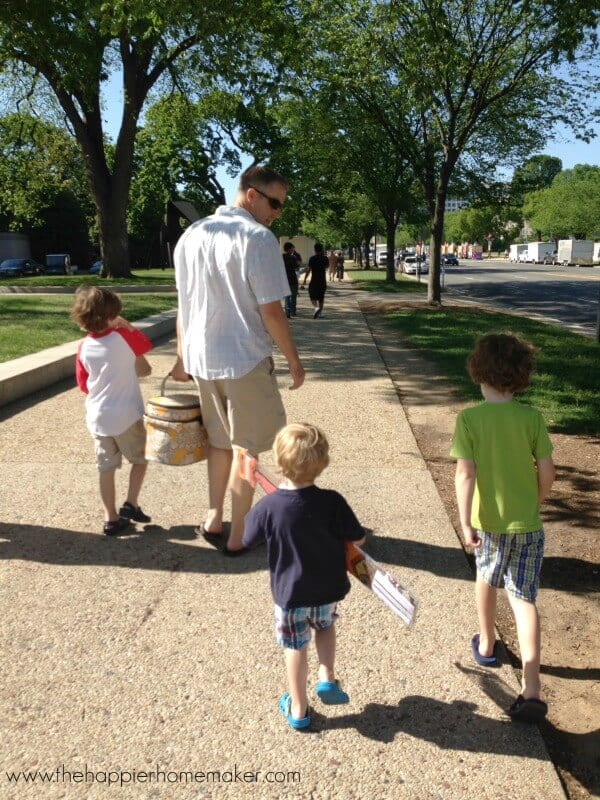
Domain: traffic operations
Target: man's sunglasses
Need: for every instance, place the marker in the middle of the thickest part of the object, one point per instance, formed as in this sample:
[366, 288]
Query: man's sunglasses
[275, 204]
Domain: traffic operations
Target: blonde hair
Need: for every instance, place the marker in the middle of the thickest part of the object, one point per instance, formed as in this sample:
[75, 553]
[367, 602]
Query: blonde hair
[301, 452]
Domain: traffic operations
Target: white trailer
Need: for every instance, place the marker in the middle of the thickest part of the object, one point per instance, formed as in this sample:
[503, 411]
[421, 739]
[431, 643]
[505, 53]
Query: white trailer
[575, 251]
[515, 251]
[537, 251]
[596, 252]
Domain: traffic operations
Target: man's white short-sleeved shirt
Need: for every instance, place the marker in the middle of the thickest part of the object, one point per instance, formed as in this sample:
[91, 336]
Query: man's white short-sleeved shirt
[226, 266]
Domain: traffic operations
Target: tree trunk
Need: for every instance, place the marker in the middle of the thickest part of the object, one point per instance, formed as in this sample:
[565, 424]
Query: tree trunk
[390, 230]
[114, 239]
[434, 290]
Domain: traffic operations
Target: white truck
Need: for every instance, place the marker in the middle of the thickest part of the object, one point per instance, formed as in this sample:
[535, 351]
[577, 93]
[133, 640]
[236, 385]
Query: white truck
[575, 251]
[515, 251]
[538, 251]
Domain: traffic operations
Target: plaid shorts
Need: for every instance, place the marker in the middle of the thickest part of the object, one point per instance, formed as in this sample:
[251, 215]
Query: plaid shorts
[512, 559]
[292, 625]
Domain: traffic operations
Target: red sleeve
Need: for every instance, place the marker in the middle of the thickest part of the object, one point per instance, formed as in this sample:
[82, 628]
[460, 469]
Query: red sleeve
[138, 341]
[81, 374]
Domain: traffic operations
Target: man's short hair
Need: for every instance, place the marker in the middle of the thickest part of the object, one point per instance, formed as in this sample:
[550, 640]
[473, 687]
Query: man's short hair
[503, 361]
[318, 248]
[301, 452]
[261, 177]
[287, 247]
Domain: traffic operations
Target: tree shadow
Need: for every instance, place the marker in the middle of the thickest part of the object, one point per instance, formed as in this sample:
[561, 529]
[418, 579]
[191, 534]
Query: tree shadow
[151, 547]
[558, 573]
[458, 726]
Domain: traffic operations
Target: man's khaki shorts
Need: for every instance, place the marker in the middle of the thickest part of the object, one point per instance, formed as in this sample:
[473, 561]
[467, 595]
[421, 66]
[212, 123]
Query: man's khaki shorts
[243, 412]
[131, 444]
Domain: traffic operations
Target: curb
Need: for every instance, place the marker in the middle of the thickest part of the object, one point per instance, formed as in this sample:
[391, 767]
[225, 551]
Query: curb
[125, 289]
[28, 374]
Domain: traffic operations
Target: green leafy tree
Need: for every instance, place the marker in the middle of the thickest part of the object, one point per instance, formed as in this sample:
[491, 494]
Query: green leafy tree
[43, 188]
[568, 208]
[453, 82]
[73, 46]
[537, 172]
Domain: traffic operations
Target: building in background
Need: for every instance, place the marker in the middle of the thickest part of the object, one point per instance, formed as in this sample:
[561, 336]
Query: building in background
[14, 245]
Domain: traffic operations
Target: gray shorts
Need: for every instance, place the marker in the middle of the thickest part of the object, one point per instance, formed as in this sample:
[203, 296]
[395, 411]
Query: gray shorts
[244, 412]
[131, 444]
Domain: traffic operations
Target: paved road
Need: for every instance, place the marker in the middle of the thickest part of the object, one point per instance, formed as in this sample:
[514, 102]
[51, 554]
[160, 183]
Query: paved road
[567, 295]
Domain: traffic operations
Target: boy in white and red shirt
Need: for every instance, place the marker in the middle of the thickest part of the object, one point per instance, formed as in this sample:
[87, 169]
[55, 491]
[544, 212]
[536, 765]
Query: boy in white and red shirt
[109, 361]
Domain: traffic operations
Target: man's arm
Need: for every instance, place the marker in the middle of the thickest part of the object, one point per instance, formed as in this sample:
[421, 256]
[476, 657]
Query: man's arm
[178, 372]
[278, 329]
[545, 477]
[464, 483]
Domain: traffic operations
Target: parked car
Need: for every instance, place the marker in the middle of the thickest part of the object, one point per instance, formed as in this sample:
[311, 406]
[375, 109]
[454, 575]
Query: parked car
[449, 260]
[96, 267]
[409, 266]
[382, 259]
[59, 264]
[17, 267]
[551, 258]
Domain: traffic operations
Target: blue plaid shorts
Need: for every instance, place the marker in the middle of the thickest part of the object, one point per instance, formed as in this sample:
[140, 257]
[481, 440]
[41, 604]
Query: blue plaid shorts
[512, 559]
[293, 625]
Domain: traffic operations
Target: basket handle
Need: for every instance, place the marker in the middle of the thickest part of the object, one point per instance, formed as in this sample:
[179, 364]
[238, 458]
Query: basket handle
[164, 383]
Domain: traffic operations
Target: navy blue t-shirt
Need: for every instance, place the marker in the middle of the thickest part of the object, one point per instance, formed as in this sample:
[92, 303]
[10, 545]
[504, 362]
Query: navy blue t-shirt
[305, 530]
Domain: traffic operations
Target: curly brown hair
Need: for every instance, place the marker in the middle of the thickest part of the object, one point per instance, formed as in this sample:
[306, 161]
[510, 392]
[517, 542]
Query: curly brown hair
[94, 307]
[503, 361]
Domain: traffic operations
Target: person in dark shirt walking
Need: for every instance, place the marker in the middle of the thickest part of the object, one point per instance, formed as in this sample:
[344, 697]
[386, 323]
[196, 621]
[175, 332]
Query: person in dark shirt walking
[291, 266]
[317, 269]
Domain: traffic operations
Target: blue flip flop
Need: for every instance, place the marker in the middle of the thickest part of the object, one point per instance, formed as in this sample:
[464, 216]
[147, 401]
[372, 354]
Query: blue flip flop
[483, 661]
[330, 693]
[285, 706]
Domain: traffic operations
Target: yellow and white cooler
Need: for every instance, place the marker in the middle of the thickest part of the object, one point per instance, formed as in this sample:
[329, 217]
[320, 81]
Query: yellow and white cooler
[174, 432]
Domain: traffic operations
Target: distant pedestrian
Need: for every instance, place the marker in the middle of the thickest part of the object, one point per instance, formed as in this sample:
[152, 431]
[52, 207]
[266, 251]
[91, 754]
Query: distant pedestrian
[332, 264]
[305, 529]
[109, 361]
[317, 269]
[291, 270]
[339, 270]
[504, 471]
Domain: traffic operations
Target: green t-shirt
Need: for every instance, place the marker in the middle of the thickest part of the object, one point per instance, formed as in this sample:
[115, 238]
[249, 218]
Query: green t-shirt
[504, 440]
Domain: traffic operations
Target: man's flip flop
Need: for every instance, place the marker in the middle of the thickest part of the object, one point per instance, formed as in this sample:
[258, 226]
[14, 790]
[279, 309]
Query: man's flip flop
[528, 710]
[285, 706]
[483, 661]
[215, 538]
[329, 692]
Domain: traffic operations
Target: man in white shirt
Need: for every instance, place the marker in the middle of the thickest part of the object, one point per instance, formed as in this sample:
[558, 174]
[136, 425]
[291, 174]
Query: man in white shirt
[230, 281]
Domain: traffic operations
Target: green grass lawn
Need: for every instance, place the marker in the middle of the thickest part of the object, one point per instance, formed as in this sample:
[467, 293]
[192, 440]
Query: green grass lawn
[29, 323]
[566, 382]
[373, 280]
[142, 277]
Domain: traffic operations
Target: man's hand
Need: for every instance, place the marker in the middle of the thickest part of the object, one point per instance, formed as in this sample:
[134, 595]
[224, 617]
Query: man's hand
[297, 372]
[178, 372]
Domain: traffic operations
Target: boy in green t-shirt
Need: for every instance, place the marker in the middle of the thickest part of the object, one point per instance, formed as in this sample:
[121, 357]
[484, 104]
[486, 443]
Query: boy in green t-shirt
[504, 470]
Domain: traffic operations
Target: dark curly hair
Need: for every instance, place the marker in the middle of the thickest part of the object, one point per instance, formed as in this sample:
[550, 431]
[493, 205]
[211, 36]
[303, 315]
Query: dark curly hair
[503, 361]
[94, 307]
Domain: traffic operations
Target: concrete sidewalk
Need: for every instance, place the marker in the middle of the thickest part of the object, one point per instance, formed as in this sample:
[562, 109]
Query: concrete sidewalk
[154, 654]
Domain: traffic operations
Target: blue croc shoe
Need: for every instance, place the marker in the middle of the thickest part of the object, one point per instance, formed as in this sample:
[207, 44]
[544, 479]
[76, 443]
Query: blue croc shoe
[330, 693]
[483, 661]
[285, 706]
